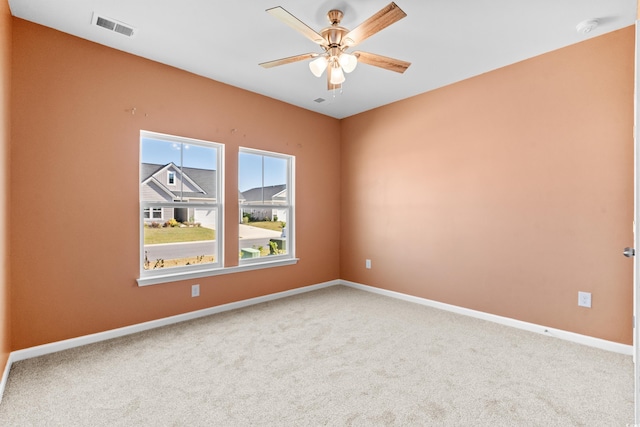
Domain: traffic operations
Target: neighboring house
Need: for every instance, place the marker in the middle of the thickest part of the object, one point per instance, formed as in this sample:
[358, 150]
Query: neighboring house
[167, 183]
[281, 214]
[270, 195]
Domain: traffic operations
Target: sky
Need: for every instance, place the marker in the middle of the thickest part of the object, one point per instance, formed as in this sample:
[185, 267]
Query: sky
[163, 152]
[251, 166]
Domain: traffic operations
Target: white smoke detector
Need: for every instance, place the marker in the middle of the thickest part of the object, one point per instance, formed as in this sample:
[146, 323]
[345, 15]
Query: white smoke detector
[585, 27]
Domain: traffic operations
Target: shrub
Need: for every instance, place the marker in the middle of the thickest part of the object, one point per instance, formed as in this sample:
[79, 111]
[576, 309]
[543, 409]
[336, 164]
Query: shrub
[173, 223]
[273, 247]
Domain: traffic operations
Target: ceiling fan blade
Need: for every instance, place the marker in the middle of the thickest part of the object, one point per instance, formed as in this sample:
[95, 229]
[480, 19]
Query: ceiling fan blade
[288, 60]
[297, 25]
[379, 21]
[331, 86]
[382, 61]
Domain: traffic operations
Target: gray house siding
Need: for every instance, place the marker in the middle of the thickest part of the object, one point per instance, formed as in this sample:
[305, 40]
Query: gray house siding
[180, 184]
[151, 192]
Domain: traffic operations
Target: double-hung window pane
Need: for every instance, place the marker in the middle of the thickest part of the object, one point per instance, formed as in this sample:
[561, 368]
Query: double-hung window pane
[266, 205]
[180, 188]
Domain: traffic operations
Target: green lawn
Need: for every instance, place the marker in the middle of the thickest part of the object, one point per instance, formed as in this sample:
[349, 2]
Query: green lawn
[269, 225]
[154, 236]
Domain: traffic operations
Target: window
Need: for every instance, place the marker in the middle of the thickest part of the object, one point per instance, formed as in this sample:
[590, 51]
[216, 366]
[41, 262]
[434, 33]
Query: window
[266, 197]
[152, 213]
[180, 204]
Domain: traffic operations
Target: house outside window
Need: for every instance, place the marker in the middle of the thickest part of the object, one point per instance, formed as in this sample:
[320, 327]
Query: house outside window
[266, 204]
[180, 204]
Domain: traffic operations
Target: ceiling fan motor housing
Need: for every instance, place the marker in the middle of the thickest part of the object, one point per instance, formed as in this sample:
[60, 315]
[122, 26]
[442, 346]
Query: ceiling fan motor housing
[334, 35]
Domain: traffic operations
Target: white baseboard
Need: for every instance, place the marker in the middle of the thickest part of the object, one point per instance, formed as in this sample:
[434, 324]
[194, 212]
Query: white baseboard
[5, 376]
[54, 347]
[531, 327]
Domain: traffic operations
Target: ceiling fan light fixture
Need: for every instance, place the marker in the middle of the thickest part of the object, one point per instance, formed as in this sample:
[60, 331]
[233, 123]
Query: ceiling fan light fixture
[337, 76]
[348, 62]
[318, 65]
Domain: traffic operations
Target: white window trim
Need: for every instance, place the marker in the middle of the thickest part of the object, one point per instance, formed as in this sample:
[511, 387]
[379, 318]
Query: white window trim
[174, 277]
[291, 250]
[171, 174]
[183, 272]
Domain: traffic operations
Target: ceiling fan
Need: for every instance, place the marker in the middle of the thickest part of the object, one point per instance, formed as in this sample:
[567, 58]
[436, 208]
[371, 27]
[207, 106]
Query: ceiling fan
[335, 40]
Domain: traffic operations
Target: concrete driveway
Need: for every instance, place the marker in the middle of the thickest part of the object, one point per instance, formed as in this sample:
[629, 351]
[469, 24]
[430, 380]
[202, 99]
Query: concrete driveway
[254, 236]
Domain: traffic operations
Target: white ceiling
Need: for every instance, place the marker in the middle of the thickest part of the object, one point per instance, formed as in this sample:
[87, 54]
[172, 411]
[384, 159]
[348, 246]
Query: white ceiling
[445, 40]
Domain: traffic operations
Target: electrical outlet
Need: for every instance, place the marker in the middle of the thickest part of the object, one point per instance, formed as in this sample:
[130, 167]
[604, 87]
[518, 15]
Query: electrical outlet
[195, 290]
[367, 263]
[584, 299]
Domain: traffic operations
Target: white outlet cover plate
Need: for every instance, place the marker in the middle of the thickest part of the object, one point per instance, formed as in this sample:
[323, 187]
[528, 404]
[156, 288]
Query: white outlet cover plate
[195, 290]
[584, 299]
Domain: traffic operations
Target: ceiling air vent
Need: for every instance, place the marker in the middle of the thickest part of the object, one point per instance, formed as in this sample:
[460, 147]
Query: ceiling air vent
[112, 25]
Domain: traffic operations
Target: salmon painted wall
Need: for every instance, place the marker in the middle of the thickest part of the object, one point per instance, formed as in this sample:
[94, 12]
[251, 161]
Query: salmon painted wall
[5, 81]
[506, 193]
[74, 184]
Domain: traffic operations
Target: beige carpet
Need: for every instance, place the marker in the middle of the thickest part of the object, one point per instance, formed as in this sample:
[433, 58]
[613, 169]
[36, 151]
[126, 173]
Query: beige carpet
[336, 356]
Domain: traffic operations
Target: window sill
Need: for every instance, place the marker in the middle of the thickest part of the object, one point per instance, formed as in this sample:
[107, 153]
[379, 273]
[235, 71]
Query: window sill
[166, 278]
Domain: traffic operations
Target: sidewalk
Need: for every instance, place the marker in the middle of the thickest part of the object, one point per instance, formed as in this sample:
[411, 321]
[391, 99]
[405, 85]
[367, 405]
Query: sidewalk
[248, 232]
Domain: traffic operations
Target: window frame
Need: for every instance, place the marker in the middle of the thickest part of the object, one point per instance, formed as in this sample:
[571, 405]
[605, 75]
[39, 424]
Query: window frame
[169, 275]
[176, 273]
[171, 178]
[290, 207]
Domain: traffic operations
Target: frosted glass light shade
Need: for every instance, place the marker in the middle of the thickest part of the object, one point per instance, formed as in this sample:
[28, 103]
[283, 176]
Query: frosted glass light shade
[318, 65]
[337, 76]
[348, 62]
